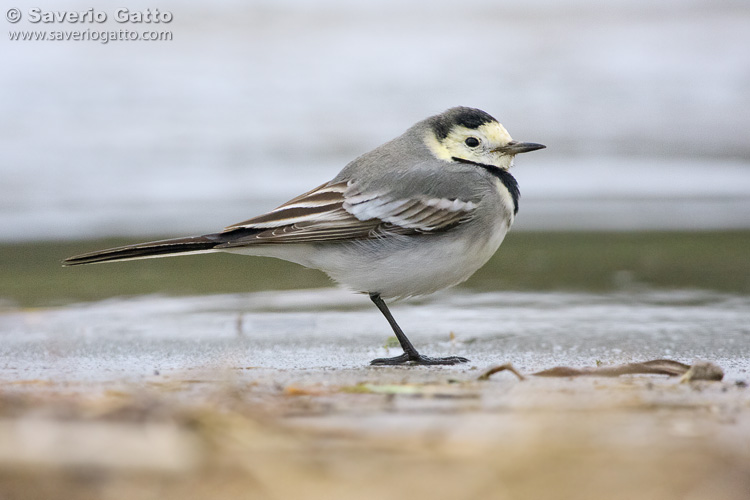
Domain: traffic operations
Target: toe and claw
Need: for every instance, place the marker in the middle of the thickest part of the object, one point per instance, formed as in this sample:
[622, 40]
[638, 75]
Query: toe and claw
[418, 359]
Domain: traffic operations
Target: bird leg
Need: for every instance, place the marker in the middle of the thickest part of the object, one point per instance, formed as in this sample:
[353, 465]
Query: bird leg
[410, 354]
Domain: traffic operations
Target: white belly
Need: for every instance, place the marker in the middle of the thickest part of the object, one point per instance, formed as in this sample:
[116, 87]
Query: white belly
[396, 267]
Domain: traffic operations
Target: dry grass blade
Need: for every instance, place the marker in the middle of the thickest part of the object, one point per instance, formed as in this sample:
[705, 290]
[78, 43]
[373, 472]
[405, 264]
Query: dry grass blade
[700, 370]
[495, 369]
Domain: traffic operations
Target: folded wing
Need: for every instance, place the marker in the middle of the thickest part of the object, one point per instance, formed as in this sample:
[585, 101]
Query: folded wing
[338, 211]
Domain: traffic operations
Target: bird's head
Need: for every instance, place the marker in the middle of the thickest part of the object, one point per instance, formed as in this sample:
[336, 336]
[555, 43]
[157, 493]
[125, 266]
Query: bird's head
[470, 135]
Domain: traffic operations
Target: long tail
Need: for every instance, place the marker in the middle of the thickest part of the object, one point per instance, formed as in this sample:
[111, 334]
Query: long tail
[164, 248]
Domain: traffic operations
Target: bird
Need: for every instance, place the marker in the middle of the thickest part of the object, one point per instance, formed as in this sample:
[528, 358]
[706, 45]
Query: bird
[418, 214]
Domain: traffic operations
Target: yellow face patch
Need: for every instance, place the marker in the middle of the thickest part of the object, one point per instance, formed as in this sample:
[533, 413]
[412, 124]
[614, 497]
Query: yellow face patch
[490, 135]
[495, 133]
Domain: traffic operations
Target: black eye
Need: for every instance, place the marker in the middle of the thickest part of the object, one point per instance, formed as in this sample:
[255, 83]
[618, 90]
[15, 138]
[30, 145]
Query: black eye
[472, 142]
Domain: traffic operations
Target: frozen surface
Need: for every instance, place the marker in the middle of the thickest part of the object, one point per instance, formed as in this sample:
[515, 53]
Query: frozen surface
[180, 396]
[131, 340]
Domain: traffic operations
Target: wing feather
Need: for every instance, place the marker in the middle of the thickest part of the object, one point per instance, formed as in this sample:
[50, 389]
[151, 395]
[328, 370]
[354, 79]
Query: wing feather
[338, 211]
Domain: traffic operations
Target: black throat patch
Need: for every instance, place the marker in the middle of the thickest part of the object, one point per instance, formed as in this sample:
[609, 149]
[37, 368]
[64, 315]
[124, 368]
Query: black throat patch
[505, 177]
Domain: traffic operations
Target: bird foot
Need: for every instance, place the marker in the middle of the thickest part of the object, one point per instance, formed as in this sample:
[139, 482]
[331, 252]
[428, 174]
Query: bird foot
[418, 359]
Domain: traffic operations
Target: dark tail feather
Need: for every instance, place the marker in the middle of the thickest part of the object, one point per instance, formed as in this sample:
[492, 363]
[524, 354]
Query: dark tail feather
[148, 250]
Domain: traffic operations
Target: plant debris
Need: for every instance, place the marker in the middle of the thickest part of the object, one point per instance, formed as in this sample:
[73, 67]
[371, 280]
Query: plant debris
[699, 370]
[495, 369]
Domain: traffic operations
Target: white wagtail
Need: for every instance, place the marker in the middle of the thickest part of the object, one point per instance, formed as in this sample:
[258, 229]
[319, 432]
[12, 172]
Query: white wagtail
[418, 214]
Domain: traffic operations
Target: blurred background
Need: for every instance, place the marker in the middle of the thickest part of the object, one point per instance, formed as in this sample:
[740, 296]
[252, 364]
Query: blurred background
[643, 106]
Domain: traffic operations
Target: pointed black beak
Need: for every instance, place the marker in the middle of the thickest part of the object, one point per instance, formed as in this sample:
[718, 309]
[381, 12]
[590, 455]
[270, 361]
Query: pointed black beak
[515, 147]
